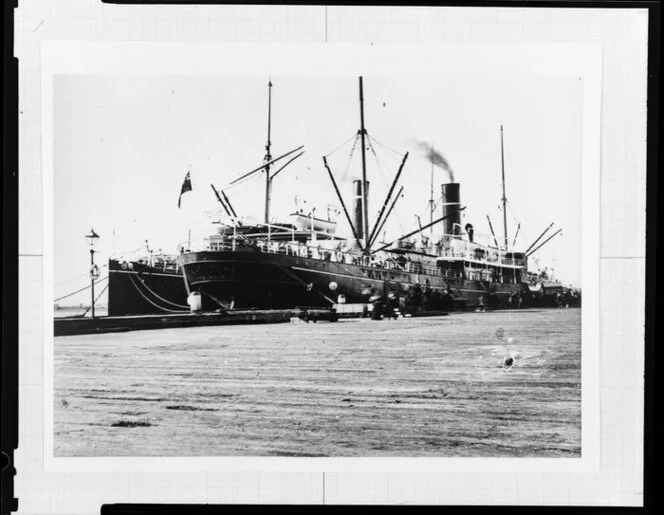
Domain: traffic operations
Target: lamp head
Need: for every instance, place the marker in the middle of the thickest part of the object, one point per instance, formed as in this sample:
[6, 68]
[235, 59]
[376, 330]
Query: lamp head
[92, 236]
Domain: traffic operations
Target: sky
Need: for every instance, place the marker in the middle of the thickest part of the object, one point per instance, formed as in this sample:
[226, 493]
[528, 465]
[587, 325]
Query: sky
[124, 143]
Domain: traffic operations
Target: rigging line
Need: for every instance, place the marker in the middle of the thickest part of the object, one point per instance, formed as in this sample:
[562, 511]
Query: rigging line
[350, 158]
[133, 281]
[392, 158]
[524, 232]
[159, 297]
[78, 291]
[509, 208]
[378, 163]
[344, 143]
[436, 204]
[385, 146]
[98, 297]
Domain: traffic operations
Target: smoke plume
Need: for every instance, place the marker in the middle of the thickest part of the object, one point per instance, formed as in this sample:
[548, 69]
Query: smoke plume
[436, 158]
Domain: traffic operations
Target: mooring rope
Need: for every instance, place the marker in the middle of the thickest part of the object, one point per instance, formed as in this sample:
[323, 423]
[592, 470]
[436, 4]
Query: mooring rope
[133, 281]
[289, 272]
[78, 291]
[159, 297]
[98, 297]
[86, 274]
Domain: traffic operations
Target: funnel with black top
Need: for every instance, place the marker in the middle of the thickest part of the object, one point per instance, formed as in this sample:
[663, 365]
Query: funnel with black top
[451, 208]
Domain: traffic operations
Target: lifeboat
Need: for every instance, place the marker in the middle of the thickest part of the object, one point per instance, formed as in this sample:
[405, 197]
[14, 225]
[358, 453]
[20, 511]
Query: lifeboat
[308, 223]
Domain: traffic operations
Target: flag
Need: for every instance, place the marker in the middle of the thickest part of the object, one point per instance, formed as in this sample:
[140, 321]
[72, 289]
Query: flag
[186, 186]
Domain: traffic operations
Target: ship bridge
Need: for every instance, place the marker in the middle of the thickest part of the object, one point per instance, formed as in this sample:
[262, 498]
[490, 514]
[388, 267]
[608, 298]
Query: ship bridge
[479, 262]
[458, 250]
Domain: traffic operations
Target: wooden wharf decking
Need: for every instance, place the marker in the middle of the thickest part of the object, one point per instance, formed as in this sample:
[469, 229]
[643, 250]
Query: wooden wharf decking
[436, 386]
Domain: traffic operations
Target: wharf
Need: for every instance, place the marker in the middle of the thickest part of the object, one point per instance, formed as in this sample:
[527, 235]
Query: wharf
[66, 326]
[116, 324]
[416, 387]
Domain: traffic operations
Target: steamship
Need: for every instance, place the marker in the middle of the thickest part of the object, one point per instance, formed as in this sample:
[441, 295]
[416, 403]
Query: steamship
[152, 284]
[304, 263]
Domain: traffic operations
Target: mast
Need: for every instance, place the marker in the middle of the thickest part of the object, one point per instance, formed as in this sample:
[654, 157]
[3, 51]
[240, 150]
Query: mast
[343, 204]
[365, 218]
[539, 238]
[518, 228]
[504, 199]
[382, 222]
[378, 222]
[492, 233]
[216, 193]
[530, 252]
[268, 157]
[431, 203]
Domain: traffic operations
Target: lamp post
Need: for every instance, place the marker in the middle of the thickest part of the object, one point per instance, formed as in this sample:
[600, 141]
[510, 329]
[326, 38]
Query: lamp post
[94, 271]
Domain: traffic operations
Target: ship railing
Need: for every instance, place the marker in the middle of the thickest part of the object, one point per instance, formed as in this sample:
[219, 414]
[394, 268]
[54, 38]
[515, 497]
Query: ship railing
[419, 268]
[163, 262]
[350, 257]
[341, 256]
[312, 252]
[490, 259]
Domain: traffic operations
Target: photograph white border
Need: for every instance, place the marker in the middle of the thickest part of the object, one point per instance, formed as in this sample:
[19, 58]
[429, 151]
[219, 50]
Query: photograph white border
[325, 60]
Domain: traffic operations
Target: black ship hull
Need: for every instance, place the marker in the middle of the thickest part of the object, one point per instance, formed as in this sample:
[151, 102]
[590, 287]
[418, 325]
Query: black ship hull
[249, 278]
[134, 288]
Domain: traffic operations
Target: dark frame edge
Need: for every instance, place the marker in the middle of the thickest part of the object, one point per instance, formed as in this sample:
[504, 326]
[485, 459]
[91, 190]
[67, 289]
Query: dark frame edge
[9, 346]
[9, 399]
[652, 430]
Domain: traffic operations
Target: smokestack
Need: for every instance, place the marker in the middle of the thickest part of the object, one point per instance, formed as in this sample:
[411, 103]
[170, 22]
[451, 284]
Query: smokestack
[451, 204]
[358, 218]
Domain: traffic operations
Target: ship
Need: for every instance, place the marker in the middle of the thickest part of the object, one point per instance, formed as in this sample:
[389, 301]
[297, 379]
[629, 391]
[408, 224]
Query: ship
[153, 284]
[304, 263]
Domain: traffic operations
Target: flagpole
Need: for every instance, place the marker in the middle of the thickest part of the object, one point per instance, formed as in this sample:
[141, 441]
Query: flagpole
[186, 187]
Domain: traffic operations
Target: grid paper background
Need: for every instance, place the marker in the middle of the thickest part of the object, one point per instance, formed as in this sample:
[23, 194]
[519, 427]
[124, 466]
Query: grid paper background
[623, 35]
